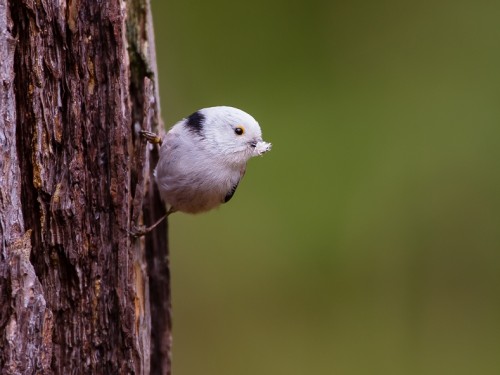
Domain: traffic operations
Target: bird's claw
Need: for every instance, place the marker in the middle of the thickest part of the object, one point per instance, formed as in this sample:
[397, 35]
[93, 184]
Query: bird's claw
[151, 137]
[141, 230]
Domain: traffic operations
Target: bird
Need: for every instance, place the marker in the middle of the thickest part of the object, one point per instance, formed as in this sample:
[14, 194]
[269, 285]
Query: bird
[203, 158]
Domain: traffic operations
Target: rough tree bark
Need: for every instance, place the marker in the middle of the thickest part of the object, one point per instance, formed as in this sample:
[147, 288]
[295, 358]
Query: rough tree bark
[79, 294]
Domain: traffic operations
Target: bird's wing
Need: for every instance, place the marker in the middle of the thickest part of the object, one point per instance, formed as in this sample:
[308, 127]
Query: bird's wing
[231, 192]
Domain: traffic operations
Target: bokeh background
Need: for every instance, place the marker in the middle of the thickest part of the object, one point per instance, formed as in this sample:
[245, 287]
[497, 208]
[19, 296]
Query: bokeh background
[368, 240]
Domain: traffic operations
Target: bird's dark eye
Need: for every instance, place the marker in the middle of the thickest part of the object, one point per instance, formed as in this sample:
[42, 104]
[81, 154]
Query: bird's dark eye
[239, 130]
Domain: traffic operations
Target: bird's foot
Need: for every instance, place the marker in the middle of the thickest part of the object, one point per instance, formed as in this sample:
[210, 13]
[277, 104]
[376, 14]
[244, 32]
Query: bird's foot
[141, 230]
[151, 137]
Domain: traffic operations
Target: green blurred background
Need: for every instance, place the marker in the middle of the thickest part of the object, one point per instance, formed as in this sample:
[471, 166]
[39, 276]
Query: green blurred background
[368, 240]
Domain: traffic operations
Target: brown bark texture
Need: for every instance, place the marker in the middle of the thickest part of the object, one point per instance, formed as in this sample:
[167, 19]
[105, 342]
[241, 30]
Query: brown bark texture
[78, 293]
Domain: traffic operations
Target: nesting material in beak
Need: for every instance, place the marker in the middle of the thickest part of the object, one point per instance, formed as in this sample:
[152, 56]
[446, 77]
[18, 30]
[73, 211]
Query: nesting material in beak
[262, 147]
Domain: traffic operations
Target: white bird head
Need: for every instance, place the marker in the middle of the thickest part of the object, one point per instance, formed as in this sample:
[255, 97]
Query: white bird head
[229, 132]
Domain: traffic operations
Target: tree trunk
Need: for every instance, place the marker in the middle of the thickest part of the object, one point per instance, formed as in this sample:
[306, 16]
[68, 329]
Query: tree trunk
[78, 293]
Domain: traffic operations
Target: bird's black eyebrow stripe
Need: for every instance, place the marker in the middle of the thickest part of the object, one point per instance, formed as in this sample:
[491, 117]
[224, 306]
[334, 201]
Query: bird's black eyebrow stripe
[195, 122]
